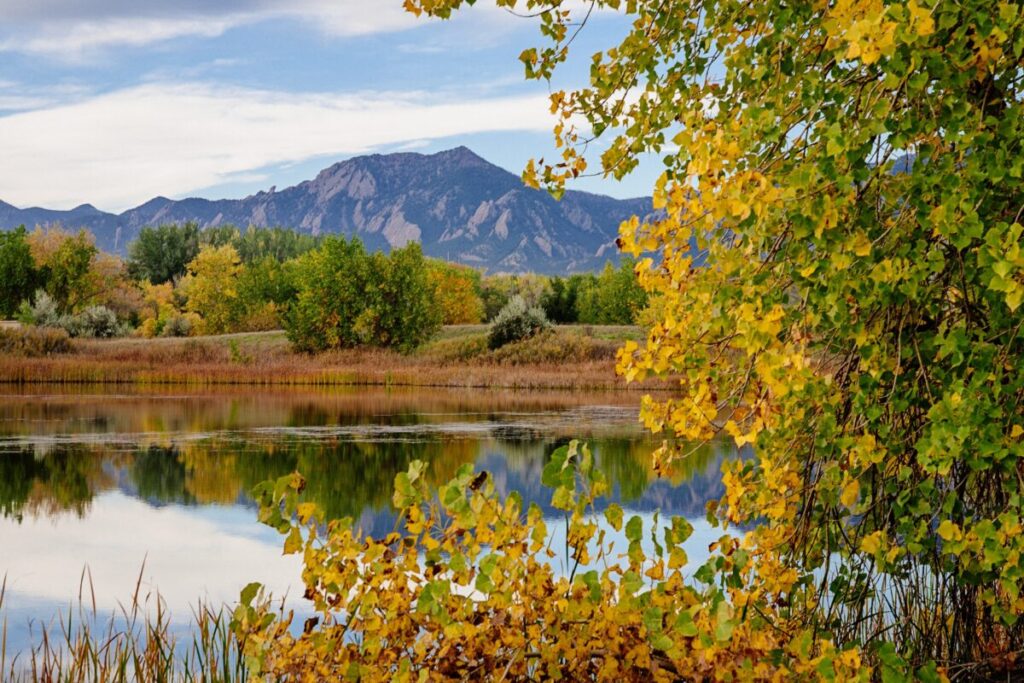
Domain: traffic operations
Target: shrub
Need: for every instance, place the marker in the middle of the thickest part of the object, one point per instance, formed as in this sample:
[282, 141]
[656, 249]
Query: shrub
[33, 341]
[176, 326]
[41, 311]
[553, 346]
[457, 350]
[260, 319]
[516, 322]
[95, 321]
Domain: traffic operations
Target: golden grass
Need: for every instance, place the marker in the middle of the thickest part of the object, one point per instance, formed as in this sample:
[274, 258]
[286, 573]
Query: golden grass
[134, 644]
[570, 358]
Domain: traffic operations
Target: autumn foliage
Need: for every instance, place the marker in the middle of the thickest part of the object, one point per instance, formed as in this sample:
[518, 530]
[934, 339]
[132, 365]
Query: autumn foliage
[838, 271]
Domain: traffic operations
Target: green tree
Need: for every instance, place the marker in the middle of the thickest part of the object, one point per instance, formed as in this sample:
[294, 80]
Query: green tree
[220, 236]
[19, 277]
[281, 244]
[267, 280]
[561, 301]
[402, 310]
[348, 298]
[162, 253]
[256, 243]
[331, 284]
[495, 291]
[619, 295]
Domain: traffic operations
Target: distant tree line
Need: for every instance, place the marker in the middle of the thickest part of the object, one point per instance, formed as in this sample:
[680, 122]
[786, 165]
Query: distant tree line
[326, 292]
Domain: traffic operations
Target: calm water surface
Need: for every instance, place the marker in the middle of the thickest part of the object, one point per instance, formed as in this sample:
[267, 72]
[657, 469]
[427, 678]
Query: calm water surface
[98, 488]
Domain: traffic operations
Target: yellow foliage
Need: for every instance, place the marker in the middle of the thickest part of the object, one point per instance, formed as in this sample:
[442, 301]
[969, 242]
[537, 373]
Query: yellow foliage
[212, 288]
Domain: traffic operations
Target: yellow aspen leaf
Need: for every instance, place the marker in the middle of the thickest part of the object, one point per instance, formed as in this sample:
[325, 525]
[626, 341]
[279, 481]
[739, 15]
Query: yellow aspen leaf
[921, 19]
[293, 542]
[950, 531]
[861, 244]
[850, 494]
[305, 511]
[872, 542]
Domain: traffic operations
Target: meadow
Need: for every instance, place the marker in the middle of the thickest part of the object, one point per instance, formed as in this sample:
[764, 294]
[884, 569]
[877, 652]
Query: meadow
[565, 357]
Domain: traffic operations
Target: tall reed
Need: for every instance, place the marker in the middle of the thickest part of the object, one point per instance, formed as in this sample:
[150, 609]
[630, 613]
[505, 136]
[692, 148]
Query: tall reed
[135, 643]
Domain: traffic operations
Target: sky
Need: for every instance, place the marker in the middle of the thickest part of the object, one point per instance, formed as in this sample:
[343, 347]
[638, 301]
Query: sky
[113, 102]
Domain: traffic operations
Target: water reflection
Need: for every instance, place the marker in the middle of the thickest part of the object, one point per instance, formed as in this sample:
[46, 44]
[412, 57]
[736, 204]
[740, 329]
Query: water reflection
[112, 480]
[347, 476]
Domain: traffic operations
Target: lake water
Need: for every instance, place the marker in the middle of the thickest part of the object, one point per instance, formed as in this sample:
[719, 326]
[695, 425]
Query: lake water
[100, 488]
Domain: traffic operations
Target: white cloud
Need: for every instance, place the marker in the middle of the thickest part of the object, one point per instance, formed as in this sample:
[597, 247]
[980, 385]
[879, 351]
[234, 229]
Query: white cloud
[77, 40]
[188, 554]
[122, 148]
[64, 30]
[21, 102]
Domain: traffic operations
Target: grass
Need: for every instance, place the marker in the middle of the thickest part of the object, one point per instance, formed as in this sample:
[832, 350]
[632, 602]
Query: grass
[134, 644]
[570, 357]
[33, 341]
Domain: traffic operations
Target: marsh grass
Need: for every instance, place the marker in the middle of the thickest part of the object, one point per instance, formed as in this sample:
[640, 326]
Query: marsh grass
[570, 357]
[33, 342]
[136, 643]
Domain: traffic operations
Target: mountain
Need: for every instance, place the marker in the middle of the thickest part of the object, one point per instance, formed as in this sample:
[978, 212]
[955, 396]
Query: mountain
[106, 226]
[459, 206]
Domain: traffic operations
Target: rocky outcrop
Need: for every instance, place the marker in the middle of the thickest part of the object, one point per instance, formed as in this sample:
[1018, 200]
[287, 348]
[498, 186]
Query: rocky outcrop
[457, 205]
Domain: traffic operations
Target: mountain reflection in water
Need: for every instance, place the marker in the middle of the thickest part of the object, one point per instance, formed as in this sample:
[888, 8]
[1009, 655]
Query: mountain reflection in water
[111, 479]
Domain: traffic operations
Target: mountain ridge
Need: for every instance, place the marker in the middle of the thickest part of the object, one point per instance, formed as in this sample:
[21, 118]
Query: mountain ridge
[458, 205]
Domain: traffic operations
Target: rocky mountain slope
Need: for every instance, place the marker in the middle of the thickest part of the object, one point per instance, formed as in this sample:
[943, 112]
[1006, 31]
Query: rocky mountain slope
[458, 205]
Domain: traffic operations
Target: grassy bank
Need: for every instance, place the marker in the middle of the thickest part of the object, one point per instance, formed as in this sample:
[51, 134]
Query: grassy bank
[569, 357]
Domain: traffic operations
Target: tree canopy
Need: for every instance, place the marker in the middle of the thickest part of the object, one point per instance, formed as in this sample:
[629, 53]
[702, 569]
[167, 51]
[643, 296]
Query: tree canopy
[19, 277]
[162, 253]
[850, 174]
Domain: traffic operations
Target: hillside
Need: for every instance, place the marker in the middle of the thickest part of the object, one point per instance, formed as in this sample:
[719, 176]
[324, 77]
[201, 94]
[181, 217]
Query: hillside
[458, 205]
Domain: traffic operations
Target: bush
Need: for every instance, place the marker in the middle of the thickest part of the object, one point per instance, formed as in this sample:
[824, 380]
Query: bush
[260, 319]
[553, 346]
[516, 322]
[176, 326]
[42, 311]
[33, 341]
[95, 321]
[457, 350]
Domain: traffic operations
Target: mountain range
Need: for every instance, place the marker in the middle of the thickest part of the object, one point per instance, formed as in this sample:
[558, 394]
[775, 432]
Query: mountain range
[459, 206]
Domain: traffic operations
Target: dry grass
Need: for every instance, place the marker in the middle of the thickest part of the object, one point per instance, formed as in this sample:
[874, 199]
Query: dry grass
[134, 644]
[573, 357]
[33, 342]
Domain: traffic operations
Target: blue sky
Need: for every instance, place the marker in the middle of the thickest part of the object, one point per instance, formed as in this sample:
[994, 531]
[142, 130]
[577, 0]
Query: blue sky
[116, 101]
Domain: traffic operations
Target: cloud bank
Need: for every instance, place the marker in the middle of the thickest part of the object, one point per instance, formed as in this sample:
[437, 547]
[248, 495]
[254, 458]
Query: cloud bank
[122, 148]
[74, 30]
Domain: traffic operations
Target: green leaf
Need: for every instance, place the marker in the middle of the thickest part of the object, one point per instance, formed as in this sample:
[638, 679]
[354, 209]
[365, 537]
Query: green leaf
[249, 592]
[613, 514]
[634, 529]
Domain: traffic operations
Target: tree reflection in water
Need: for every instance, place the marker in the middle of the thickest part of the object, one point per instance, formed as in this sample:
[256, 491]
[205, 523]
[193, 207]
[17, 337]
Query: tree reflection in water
[57, 454]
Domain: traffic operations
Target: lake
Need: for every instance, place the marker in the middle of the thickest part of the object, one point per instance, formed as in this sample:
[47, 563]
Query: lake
[101, 489]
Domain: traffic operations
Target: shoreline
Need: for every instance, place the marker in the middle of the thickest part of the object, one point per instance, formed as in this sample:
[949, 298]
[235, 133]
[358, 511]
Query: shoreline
[572, 358]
